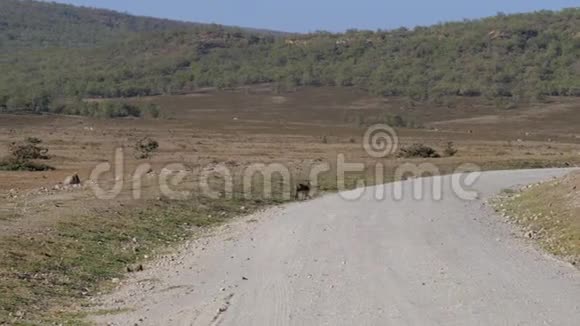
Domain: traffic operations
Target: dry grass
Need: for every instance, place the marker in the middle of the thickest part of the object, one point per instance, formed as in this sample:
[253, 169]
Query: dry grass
[549, 213]
[42, 274]
[58, 244]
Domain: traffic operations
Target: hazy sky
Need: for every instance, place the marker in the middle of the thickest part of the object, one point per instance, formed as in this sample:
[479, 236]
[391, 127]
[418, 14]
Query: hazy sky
[330, 15]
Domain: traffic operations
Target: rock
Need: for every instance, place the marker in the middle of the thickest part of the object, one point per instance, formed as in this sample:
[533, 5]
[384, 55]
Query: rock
[72, 180]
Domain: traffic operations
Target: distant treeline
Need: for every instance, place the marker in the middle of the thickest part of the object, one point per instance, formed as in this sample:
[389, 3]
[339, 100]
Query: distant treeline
[106, 109]
[97, 109]
[506, 58]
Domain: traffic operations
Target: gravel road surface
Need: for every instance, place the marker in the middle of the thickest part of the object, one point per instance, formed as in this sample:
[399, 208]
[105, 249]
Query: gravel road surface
[332, 261]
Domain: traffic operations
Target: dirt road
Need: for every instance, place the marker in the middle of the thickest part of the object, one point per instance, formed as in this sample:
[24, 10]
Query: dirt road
[331, 261]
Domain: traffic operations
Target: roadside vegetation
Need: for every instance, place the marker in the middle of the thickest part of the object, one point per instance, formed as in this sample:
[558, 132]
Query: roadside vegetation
[504, 60]
[49, 277]
[45, 278]
[548, 213]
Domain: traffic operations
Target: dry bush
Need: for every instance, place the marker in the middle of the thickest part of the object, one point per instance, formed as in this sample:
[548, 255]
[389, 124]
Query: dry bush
[418, 150]
[28, 150]
[145, 147]
[450, 150]
[22, 155]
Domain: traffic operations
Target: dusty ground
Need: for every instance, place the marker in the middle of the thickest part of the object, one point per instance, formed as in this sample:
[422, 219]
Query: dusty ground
[240, 128]
[296, 129]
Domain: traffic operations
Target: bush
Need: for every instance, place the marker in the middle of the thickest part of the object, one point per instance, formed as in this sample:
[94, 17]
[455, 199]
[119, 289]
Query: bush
[450, 150]
[145, 147]
[111, 109]
[418, 150]
[396, 121]
[22, 154]
[33, 140]
[102, 109]
[153, 110]
[13, 165]
[29, 150]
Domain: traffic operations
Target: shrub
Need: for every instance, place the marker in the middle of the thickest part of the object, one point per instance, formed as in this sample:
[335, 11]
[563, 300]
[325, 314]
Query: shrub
[397, 121]
[102, 109]
[33, 140]
[13, 165]
[145, 147]
[29, 150]
[418, 150]
[22, 154]
[111, 109]
[450, 150]
[153, 110]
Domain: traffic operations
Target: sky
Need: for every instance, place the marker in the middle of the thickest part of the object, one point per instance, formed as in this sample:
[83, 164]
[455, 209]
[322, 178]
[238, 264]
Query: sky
[328, 15]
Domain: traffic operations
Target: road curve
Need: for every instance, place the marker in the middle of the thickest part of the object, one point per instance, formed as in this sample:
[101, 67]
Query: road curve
[331, 261]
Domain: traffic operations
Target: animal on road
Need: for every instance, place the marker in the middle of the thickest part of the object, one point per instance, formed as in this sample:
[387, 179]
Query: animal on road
[303, 191]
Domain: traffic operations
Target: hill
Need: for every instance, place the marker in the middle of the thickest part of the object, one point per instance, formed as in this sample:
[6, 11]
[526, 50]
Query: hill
[64, 51]
[33, 24]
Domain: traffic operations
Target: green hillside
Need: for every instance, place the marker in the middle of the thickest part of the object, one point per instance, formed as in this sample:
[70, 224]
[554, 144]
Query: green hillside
[32, 24]
[52, 53]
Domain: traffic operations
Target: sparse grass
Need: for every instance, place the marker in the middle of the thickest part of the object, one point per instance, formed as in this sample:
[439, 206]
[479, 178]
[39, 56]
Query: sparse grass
[88, 251]
[42, 274]
[547, 213]
[79, 257]
[11, 165]
[110, 312]
[524, 163]
[508, 191]
[6, 216]
[450, 149]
